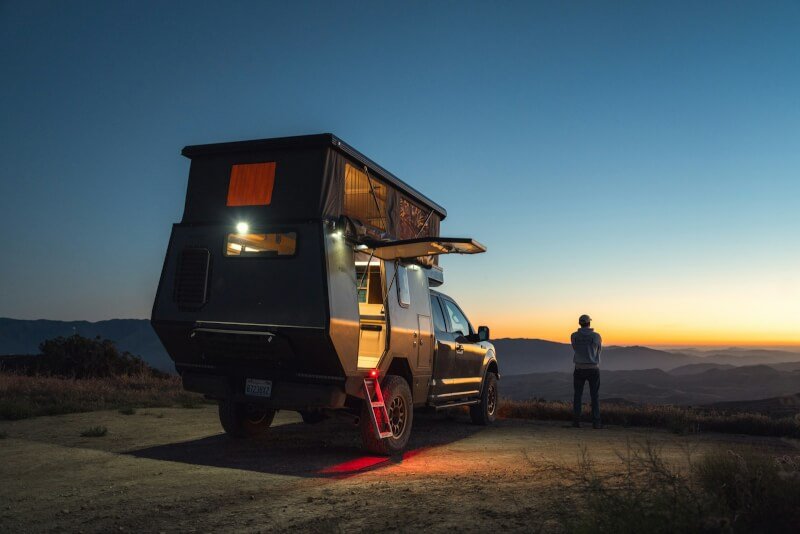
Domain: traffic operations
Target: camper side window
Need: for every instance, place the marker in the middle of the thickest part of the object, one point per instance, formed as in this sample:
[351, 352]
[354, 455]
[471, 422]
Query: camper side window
[403, 291]
[261, 245]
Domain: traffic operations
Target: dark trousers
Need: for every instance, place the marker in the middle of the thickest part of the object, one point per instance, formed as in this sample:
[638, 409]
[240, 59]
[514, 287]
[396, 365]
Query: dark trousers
[579, 377]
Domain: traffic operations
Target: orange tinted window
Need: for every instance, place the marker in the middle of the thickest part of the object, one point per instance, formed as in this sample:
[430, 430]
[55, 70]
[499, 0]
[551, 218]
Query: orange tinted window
[251, 184]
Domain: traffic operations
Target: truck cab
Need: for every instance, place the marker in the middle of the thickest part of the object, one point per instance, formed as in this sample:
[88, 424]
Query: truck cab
[300, 278]
[463, 356]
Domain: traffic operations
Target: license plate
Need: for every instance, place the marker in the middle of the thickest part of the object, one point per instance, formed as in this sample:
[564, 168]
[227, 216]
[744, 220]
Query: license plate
[258, 388]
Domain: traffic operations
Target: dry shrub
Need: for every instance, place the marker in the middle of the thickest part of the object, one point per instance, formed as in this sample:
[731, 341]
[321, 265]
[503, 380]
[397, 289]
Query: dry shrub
[678, 419]
[94, 432]
[757, 493]
[30, 396]
[725, 491]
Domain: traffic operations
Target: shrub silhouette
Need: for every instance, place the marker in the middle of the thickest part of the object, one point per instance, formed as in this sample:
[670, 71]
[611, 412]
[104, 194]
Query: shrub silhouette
[80, 357]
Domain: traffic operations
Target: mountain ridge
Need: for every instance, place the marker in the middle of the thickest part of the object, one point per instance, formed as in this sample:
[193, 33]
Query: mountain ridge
[517, 356]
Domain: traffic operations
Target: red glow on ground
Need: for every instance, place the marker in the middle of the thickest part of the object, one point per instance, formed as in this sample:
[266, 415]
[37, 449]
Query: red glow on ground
[366, 463]
[353, 467]
[410, 454]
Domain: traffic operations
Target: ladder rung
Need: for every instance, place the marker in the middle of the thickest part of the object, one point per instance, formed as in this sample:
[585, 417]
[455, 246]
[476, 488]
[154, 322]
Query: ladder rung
[372, 387]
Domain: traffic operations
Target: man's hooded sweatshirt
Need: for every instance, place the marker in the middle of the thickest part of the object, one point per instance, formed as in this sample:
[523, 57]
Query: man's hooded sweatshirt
[587, 345]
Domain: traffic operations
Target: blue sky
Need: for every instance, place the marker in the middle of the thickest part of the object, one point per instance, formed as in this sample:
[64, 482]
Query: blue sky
[634, 160]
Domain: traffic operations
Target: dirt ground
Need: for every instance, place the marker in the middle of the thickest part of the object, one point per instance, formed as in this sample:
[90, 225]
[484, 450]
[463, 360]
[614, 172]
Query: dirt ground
[167, 470]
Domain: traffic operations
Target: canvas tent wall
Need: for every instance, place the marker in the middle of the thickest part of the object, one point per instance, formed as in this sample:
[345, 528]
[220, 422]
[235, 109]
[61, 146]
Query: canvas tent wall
[304, 178]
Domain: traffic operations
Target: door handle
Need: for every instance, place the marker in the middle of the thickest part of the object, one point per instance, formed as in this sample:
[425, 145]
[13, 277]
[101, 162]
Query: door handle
[459, 348]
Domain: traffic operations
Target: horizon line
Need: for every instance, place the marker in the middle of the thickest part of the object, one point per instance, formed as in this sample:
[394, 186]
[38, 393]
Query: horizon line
[790, 346]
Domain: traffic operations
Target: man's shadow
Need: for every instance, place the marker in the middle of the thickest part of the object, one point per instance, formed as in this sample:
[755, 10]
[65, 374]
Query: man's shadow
[331, 449]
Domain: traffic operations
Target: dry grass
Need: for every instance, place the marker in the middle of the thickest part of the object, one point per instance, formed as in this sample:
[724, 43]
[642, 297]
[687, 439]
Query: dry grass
[94, 432]
[677, 419]
[30, 396]
[724, 491]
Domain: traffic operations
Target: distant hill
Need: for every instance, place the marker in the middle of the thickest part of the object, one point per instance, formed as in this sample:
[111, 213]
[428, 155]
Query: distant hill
[694, 368]
[736, 356]
[524, 356]
[521, 356]
[133, 335]
[783, 406]
[788, 366]
[658, 386]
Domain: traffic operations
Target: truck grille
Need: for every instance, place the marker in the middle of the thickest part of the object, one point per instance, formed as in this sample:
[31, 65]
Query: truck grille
[191, 278]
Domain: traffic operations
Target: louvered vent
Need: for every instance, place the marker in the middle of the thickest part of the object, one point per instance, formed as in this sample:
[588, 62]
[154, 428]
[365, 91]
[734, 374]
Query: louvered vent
[191, 278]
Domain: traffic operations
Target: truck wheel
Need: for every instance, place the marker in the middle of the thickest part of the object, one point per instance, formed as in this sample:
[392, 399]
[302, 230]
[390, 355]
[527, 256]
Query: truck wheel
[241, 420]
[312, 418]
[397, 396]
[485, 411]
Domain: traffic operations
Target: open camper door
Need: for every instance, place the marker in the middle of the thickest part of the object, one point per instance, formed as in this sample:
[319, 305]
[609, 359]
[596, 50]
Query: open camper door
[425, 247]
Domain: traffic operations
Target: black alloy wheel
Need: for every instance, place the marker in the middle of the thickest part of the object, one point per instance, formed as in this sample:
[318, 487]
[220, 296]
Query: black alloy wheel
[485, 412]
[400, 408]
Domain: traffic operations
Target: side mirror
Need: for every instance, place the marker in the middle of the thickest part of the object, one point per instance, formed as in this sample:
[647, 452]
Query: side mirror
[483, 333]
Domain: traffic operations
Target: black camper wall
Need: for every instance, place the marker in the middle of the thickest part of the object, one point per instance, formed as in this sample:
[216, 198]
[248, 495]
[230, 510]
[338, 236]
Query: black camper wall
[296, 194]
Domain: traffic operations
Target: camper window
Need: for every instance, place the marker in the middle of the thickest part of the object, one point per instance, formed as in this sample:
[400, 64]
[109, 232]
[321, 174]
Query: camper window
[364, 198]
[403, 291]
[261, 245]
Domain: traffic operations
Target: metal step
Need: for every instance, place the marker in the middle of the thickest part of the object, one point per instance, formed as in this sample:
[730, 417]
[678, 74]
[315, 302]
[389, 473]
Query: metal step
[374, 395]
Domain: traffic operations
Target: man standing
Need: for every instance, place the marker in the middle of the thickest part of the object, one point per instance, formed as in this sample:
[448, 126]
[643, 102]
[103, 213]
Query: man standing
[587, 345]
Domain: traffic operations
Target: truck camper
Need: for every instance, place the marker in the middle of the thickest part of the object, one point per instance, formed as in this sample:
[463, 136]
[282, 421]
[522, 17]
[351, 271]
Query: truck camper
[300, 278]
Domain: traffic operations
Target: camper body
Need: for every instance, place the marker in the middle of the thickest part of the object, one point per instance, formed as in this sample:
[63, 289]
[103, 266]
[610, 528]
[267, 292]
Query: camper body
[300, 279]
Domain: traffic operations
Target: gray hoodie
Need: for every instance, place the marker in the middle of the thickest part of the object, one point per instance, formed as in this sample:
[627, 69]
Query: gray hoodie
[587, 345]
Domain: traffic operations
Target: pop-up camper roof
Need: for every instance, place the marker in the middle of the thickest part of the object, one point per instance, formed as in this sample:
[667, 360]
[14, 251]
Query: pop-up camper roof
[301, 178]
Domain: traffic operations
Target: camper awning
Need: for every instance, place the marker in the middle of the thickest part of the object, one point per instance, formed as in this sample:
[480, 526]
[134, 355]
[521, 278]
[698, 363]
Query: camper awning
[425, 247]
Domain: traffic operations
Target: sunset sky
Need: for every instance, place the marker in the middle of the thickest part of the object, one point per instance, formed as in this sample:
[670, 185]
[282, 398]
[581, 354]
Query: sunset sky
[636, 161]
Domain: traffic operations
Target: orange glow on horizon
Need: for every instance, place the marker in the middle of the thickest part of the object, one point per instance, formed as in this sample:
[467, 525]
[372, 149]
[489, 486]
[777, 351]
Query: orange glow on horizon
[619, 334]
[648, 328]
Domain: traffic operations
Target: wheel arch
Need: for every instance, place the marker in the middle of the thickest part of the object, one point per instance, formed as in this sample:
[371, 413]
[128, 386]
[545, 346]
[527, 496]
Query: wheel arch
[490, 366]
[401, 368]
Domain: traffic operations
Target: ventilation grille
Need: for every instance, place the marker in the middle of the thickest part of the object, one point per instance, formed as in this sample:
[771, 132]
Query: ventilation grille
[191, 278]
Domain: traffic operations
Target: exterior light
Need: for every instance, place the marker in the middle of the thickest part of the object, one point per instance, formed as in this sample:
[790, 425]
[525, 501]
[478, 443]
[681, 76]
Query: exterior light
[373, 373]
[242, 228]
[361, 247]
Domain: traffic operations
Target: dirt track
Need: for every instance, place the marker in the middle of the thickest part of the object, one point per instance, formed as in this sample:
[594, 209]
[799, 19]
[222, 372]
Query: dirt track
[178, 473]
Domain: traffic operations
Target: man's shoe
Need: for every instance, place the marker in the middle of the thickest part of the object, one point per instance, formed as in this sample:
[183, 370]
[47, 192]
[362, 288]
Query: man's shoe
[597, 426]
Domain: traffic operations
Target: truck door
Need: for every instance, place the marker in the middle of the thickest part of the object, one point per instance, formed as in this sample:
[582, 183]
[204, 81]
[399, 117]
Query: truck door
[469, 355]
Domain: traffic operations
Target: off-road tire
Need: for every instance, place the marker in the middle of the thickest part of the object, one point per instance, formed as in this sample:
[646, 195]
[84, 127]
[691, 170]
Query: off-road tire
[399, 404]
[242, 421]
[312, 418]
[485, 412]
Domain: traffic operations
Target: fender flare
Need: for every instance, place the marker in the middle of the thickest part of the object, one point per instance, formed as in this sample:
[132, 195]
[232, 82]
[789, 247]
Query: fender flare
[489, 362]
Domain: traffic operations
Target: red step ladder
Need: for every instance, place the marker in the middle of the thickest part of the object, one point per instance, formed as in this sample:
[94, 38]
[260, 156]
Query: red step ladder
[377, 412]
